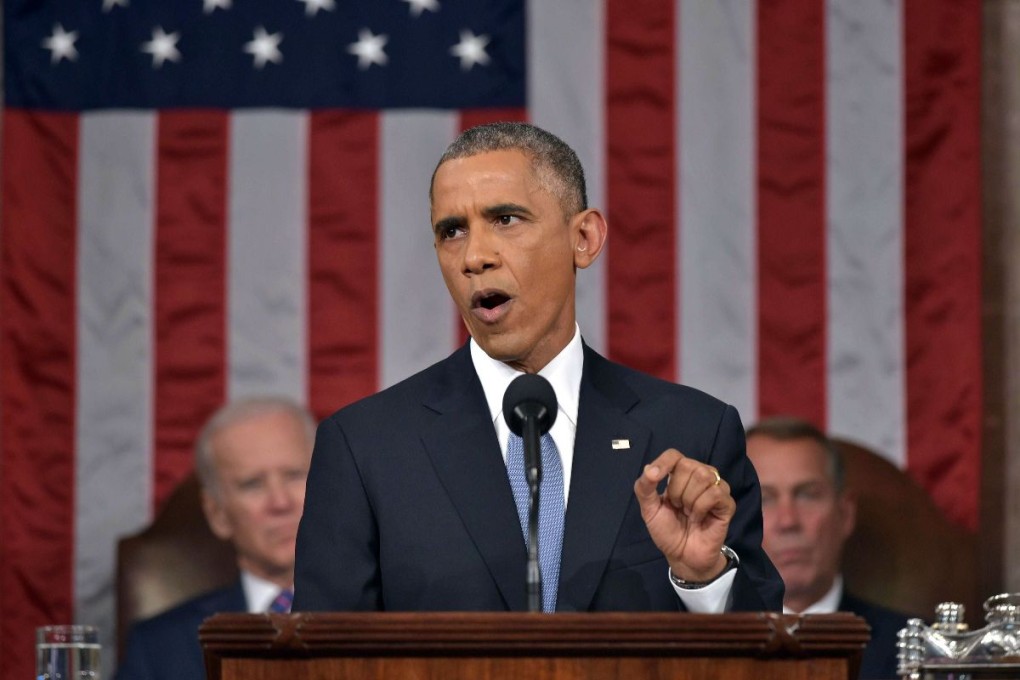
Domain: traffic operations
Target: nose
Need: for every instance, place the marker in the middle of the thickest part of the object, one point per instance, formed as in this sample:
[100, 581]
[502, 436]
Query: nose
[481, 251]
[785, 515]
[280, 497]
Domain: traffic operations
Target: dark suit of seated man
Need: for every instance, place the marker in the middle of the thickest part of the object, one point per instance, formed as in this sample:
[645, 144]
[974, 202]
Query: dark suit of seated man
[808, 516]
[252, 459]
[411, 503]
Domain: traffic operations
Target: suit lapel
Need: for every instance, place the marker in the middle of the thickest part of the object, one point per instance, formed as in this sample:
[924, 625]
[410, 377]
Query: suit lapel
[461, 443]
[602, 480]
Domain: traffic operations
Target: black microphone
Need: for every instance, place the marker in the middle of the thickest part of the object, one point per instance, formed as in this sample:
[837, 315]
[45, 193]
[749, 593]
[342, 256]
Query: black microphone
[529, 408]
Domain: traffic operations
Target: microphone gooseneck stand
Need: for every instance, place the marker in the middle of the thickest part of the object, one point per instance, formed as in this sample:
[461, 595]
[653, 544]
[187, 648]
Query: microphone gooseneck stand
[533, 470]
[529, 408]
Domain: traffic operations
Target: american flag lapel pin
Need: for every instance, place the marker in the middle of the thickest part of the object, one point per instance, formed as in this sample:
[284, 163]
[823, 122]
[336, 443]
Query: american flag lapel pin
[621, 444]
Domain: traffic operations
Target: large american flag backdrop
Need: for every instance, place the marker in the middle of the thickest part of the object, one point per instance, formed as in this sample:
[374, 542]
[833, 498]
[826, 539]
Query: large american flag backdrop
[204, 199]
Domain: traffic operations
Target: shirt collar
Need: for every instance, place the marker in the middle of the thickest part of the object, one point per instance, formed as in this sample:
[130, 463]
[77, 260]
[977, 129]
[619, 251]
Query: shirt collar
[258, 592]
[828, 603]
[563, 372]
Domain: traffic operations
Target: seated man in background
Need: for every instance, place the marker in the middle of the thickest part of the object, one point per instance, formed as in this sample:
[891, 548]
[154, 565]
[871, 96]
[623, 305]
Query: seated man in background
[252, 461]
[808, 515]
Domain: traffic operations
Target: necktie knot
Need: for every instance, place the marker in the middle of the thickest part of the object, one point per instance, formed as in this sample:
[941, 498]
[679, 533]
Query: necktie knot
[550, 509]
[281, 604]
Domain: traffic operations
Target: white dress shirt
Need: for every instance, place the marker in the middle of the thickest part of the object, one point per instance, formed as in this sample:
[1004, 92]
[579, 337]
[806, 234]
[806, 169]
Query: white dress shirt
[258, 592]
[564, 374]
[829, 602]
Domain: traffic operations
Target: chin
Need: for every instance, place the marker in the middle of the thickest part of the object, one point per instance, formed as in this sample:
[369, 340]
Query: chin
[496, 346]
[797, 580]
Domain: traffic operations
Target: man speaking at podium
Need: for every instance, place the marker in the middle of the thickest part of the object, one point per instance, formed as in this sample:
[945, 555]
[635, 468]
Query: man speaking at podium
[648, 501]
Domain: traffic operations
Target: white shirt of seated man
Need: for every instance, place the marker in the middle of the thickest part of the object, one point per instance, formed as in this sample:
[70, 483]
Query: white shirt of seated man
[829, 604]
[258, 592]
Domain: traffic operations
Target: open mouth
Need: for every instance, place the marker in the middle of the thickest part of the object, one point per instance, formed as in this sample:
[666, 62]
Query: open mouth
[490, 305]
[491, 300]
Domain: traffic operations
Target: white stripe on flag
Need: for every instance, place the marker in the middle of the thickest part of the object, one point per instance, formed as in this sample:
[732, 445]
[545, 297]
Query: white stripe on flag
[864, 125]
[267, 265]
[717, 239]
[418, 320]
[566, 45]
[114, 429]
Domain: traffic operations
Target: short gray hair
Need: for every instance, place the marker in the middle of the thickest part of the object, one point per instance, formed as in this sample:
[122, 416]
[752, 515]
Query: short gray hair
[235, 412]
[789, 428]
[554, 162]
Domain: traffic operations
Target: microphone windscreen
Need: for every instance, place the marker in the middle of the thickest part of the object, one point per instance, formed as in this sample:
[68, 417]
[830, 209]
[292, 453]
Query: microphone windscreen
[529, 395]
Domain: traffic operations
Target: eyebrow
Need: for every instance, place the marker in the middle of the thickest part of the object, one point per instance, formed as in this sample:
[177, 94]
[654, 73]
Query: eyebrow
[506, 209]
[799, 486]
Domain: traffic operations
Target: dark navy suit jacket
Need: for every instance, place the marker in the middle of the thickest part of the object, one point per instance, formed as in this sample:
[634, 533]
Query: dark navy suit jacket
[408, 506]
[166, 646]
[879, 662]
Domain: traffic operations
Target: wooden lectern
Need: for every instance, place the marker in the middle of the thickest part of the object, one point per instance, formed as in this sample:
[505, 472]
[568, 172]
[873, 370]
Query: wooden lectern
[504, 646]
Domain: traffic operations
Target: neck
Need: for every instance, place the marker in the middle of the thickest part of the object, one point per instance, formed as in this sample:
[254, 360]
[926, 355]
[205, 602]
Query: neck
[547, 350]
[284, 578]
[800, 601]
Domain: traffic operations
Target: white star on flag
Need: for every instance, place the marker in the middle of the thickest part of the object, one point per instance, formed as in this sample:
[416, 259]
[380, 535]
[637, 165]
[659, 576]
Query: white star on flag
[369, 49]
[162, 47]
[110, 4]
[312, 7]
[208, 6]
[265, 47]
[471, 50]
[419, 6]
[61, 44]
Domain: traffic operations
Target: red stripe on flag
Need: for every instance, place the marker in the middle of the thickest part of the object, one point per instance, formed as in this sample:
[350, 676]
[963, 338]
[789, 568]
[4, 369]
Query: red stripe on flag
[470, 118]
[343, 215]
[641, 201]
[37, 379]
[791, 209]
[943, 251]
[190, 307]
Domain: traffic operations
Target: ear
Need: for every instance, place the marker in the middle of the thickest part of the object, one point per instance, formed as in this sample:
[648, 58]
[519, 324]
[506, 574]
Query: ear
[590, 233]
[216, 516]
[848, 510]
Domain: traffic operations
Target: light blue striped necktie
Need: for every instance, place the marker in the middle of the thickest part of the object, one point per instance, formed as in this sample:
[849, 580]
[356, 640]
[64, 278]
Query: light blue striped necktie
[550, 509]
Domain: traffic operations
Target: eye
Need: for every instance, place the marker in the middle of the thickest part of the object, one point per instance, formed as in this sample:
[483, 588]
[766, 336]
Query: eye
[449, 232]
[810, 493]
[507, 220]
[250, 484]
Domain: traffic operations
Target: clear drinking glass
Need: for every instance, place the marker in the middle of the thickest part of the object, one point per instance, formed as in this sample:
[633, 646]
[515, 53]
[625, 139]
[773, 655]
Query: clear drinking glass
[67, 653]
